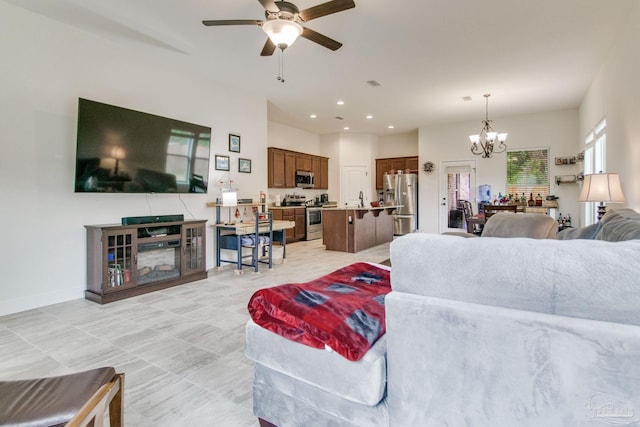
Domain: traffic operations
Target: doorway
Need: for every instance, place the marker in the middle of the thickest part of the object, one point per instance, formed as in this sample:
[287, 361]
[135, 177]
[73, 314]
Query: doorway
[457, 182]
[354, 180]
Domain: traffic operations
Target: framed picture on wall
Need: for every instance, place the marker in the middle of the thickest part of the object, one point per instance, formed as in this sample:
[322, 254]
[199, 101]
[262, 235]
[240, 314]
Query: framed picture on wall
[234, 143]
[244, 165]
[222, 163]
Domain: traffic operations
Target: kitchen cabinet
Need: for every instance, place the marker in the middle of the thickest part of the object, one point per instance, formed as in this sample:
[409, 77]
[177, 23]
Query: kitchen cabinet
[289, 170]
[298, 216]
[324, 174]
[353, 230]
[303, 162]
[382, 166]
[320, 169]
[282, 166]
[394, 164]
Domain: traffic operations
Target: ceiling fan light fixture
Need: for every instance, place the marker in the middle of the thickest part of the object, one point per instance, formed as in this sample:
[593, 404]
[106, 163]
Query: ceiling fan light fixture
[281, 32]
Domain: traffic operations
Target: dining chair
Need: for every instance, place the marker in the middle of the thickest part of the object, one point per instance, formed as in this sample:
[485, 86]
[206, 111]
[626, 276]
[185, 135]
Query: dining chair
[490, 210]
[467, 210]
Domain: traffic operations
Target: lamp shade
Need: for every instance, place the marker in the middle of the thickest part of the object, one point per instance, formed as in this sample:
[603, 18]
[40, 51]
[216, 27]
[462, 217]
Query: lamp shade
[229, 199]
[117, 152]
[281, 32]
[602, 187]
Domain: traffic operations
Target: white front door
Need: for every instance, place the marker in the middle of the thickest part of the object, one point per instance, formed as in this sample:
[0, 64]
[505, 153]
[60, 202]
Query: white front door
[355, 179]
[457, 182]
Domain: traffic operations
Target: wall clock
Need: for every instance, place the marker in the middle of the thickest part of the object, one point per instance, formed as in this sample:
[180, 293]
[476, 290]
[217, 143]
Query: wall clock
[428, 168]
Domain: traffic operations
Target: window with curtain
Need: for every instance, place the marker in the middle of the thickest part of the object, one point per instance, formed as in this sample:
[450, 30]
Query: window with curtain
[528, 173]
[594, 162]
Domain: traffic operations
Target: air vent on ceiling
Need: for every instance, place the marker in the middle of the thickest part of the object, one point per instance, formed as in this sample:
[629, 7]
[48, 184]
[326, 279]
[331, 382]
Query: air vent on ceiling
[339, 118]
[374, 83]
[466, 98]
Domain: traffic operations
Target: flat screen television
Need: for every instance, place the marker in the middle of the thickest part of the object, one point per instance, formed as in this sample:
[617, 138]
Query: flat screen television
[126, 151]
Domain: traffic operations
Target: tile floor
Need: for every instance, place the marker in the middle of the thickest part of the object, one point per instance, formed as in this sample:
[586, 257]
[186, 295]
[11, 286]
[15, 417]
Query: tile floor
[181, 349]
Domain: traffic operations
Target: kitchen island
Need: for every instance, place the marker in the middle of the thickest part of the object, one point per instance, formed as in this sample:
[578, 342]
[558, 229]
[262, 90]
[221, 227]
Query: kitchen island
[353, 229]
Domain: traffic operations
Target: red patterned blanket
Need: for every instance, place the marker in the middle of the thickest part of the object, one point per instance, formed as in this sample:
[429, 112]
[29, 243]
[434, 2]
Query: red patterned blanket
[343, 310]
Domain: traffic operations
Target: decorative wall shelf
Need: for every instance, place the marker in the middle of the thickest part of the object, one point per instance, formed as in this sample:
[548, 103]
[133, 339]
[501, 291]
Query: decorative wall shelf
[562, 161]
[569, 179]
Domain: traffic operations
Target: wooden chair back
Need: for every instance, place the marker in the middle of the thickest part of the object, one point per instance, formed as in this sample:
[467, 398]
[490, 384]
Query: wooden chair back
[490, 210]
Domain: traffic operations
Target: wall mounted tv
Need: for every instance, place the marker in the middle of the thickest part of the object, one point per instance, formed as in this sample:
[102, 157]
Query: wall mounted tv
[126, 151]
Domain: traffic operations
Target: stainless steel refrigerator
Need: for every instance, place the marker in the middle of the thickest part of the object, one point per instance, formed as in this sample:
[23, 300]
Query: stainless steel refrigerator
[402, 189]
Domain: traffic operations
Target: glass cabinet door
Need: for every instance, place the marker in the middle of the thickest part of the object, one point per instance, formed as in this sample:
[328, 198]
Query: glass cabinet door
[194, 248]
[119, 267]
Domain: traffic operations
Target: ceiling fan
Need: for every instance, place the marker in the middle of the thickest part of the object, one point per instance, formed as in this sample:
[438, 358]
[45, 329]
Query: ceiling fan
[283, 24]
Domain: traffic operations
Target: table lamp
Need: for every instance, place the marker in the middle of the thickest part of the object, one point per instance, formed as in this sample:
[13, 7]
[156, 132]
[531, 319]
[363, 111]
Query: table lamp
[230, 200]
[602, 187]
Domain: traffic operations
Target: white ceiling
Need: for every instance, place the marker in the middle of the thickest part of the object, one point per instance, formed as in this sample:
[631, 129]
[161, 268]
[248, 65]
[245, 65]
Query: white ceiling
[532, 56]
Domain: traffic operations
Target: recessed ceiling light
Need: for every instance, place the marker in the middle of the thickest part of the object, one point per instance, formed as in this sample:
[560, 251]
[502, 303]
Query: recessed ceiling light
[313, 116]
[346, 128]
[369, 116]
[341, 102]
[390, 126]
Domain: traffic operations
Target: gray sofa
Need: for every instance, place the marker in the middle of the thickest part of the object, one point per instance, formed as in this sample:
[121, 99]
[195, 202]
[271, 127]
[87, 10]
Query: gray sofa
[480, 332]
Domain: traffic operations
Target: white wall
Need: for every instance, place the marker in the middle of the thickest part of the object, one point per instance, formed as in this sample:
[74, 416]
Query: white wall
[557, 130]
[398, 145]
[46, 66]
[615, 95]
[294, 139]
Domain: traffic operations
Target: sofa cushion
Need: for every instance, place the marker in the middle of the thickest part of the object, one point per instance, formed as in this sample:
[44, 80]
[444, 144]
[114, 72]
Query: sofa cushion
[362, 382]
[509, 224]
[618, 225]
[588, 232]
[288, 402]
[580, 278]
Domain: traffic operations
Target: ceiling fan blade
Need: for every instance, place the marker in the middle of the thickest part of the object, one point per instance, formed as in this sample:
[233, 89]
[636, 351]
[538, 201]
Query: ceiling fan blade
[268, 48]
[269, 5]
[213, 23]
[322, 40]
[327, 8]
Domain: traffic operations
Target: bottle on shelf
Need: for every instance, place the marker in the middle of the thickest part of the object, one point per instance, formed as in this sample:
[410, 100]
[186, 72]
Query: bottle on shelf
[523, 199]
[568, 222]
[538, 200]
[531, 202]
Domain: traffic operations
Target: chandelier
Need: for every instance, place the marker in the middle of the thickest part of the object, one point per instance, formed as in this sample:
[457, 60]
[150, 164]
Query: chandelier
[484, 143]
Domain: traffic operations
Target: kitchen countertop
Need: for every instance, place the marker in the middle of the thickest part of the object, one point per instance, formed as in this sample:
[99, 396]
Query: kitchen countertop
[369, 208]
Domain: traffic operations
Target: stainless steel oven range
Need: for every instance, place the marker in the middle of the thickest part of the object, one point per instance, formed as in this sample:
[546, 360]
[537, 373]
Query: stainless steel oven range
[314, 223]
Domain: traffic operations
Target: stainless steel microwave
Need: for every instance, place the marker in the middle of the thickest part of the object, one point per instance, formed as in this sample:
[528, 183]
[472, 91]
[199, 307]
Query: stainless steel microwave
[304, 179]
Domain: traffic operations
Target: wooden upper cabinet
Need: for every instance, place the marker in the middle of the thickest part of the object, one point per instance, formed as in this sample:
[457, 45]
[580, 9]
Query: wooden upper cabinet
[276, 175]
[315, 168]
[382, 166]
[320, 169]
[283, 164]
[412, 164]
[394, 164]
[289, 169]
[324, 173]
[303, 162]
[398, 164]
